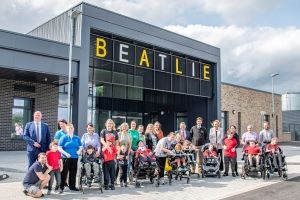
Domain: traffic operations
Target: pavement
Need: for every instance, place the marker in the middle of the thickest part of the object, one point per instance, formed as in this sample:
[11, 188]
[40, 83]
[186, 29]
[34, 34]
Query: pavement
[13, 163]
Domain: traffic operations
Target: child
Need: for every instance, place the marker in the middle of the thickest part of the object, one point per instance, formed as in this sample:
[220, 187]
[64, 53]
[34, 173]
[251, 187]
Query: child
[122, 159]
[109, 153]
[145, 154]
[253, 151]
[230, 153]
[179, 157]
[210, 152]
[55, 161]
[91, 161]
[275, 153]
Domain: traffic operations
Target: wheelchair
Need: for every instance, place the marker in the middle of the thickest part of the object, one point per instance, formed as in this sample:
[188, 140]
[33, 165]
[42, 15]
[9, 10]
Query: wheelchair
[255, 169]
[270, 167]
[83, 179]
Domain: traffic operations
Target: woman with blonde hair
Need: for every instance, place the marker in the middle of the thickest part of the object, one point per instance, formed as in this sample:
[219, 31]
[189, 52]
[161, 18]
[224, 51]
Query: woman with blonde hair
[109, 131]
[216, 136]
[150, 138]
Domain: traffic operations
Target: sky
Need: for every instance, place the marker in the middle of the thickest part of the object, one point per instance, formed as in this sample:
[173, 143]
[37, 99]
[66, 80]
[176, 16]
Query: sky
[257, 38]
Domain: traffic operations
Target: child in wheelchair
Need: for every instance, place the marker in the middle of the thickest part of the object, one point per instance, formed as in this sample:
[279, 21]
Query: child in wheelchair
[180, 157]
[210, 155]
[144, 155]
[275, 154]
[91, 163]
[253, 151]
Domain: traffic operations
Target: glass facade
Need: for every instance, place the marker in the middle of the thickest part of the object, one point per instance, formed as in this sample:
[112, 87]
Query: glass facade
[132, 80]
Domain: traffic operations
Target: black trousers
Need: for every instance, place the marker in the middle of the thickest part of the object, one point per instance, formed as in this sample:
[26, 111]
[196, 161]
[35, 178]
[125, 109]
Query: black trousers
[161, 161]
[69, 166]
[231, 161]
[123, 173]
[109, 169]
[220, 152]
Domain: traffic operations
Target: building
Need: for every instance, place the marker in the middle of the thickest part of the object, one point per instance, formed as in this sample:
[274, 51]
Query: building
[291, 114]
[122, 69]
[242, 106]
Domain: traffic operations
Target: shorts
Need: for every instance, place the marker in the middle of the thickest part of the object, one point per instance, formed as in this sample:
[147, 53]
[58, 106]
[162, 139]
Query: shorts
[32, 189]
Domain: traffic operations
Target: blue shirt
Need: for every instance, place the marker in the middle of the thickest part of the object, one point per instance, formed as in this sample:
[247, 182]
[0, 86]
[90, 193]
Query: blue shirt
[59, 134]
[70, 145]
[93, 140]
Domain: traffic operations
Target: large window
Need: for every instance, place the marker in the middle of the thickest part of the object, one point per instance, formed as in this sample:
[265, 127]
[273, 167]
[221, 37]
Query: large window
[21, 114]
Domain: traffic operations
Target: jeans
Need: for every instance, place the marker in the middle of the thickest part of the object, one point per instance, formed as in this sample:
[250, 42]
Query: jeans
[54, 173]
[109, 170]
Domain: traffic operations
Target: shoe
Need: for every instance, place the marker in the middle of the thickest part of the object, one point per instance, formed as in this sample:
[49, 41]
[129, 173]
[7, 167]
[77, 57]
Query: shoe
[89, 184]
[60, 191]
[236, 173]
[42, 195]
[48, 192]
[106, 187]
[225, 174]
[74, 189]
[66, 185]
[112, 187]
[25, 192]
[126, 185]
[121, 184]
[233, 175]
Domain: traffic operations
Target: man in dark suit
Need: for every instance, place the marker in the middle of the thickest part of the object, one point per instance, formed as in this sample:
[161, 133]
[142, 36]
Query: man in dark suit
[37, 136]
[185, 134]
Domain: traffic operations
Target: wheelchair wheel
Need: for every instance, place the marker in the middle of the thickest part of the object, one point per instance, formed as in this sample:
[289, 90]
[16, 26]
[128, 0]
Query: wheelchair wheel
[81, 183]
[280, 172]
[268, 174]
[170, 178]
[285, 176]
[100, 180]
[219, 174]
[188, 180]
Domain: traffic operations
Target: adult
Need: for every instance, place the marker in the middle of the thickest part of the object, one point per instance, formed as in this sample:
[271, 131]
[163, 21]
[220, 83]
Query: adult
[135, 136]
[163, 148]
[157, 131]
[108, 132]
[37, 136]
[216, 136]
[91, 138]
[150, 138]
[250, 135]
[37, 177]
[266, 134]
[125, 139]
[198, 134]
[62, 130]
[185, 134]
[237, 137]
[70, 146]
[142, 133]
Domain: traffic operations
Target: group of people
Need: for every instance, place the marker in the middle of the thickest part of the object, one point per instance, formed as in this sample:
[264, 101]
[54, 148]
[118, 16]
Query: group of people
[119, 147]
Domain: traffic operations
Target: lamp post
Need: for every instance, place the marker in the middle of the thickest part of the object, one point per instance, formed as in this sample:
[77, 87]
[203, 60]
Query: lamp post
[273, 106]
[72, 16]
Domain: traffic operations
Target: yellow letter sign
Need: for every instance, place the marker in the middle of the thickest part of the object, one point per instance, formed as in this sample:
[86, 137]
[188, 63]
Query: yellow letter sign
[101, 47]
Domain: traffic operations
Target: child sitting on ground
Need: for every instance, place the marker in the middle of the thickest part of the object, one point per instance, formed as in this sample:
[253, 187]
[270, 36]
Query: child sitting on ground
[91, 162]
[179, 157]
[122, 159]
[275, 153]
[145, 154]
[253, 151]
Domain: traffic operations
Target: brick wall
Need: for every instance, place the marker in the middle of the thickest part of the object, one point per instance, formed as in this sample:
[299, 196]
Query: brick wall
[250, 103]
[45, 100]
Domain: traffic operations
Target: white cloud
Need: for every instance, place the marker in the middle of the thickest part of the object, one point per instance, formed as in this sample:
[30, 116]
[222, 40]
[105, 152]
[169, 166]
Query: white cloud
[250, 55]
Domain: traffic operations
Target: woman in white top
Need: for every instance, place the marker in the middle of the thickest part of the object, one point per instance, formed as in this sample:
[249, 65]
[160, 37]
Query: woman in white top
[216, 136]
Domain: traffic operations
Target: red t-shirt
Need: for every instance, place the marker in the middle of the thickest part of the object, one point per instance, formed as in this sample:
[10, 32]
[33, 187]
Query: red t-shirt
[209, 153]
[145, 151]
[273, 146]
[53, 158]
[253, 150]
[109, 156]
[230, 144]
